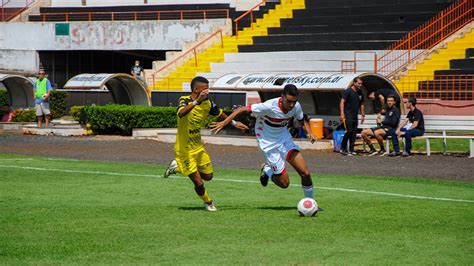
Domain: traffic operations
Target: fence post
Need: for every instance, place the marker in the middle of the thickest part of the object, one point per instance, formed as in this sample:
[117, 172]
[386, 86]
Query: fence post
[409, 47]
[222, 39]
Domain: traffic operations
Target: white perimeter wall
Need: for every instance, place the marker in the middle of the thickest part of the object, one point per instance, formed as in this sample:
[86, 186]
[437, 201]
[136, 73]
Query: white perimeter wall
[105, 35]
[19, 60]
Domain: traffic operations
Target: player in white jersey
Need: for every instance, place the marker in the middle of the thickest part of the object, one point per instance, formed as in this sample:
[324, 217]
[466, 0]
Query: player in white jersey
[274, 139]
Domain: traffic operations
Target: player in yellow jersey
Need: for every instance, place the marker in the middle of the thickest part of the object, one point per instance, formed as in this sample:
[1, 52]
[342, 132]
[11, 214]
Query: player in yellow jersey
[191, 159]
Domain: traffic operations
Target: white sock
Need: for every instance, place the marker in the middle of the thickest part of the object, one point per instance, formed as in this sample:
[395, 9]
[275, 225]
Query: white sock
[268, 171]
[308, 191]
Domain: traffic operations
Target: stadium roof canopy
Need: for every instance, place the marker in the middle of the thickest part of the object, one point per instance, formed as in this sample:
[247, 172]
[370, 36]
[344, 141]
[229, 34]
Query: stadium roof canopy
[20, 90]
[124, 88]
[320, 92]
[304, 81]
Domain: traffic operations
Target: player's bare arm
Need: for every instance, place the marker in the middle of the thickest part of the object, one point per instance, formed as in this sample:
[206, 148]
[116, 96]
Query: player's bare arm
[237, 124]
[218, 126]
[341, 109]
[307, 127]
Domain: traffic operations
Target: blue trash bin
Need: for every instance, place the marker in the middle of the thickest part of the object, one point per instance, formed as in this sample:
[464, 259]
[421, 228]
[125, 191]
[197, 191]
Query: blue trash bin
[337, 137]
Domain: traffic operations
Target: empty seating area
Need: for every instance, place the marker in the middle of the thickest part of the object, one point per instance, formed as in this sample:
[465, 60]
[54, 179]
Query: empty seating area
[455, 83]
[347, 25]
[152, 10]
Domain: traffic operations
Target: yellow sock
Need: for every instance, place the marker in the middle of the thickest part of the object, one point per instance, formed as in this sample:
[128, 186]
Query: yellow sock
[206, 197]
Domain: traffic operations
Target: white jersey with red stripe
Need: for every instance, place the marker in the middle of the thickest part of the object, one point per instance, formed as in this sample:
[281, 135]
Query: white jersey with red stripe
[271, 128]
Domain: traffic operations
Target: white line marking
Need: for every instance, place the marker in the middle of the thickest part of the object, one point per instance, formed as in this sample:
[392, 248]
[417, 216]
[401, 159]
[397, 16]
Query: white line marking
[238, 181]
[17, 159]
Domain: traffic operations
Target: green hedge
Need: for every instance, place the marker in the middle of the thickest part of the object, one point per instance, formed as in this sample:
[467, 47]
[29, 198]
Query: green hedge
[58, 103]
[4, 98]
[77, 113]
[26, 115]
[121, 119]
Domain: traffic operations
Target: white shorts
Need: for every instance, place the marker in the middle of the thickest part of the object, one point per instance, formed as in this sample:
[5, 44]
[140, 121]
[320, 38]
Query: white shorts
[42, 109]
[276, 157]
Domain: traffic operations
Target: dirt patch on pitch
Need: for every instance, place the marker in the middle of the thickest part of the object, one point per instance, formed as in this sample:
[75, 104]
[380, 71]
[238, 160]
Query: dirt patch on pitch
[125, 149]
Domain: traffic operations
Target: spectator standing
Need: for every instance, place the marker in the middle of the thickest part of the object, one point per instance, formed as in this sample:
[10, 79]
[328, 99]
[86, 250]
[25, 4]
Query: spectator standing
[42, 92]
[352, 101]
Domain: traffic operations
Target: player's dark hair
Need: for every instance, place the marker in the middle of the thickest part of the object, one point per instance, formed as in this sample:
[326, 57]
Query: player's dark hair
[391, 96]
[290, 89]
[356, 79]
[412, 100]
[198, 79]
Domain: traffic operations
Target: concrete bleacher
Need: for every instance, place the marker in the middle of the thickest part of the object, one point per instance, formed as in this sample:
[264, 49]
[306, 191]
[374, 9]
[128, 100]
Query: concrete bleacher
[237, 4]
[455, 83]
[347, 25]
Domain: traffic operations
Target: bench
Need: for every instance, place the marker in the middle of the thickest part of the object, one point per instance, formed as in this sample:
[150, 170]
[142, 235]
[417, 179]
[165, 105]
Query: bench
[436, 127]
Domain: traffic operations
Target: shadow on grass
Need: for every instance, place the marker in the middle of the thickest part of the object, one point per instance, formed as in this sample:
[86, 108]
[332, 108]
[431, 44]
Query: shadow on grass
[227, 208]
[278, 208]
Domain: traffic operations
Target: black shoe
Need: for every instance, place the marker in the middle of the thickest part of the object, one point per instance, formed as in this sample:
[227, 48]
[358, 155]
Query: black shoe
[406, 154]
[394, 154]
[263, 177]
[373, 152]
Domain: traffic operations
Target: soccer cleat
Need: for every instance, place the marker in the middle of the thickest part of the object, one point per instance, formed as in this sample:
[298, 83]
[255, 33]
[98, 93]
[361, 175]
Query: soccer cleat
[263, 177]
[210, 207]
[394, 154]
[406, 154]
[382, 153]
[373, 152]
[171, 170]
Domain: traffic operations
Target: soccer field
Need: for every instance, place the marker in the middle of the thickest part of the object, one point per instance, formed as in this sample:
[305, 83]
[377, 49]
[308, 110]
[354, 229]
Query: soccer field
[55, 211]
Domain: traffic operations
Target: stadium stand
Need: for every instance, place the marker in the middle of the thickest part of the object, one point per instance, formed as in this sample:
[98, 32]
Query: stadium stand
[346, 25]
[133, 10]
[447, 74]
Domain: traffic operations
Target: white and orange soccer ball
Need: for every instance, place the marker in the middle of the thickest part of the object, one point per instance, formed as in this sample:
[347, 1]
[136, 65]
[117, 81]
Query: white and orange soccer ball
[307, 207]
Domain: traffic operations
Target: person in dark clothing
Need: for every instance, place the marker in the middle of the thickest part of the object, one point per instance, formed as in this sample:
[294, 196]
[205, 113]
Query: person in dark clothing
[380, 96]
[352, 101]
[388, 126]
[413, 126]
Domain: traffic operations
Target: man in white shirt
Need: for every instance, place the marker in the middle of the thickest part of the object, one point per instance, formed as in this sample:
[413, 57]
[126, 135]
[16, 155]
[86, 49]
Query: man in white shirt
[274, 139]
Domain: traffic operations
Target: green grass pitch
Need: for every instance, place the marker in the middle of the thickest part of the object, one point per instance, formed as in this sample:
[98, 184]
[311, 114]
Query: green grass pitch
[55, 211]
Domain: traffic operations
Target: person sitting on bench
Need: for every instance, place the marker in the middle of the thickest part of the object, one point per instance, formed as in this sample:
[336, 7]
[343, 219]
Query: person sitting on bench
[413, 126]
[388, 126]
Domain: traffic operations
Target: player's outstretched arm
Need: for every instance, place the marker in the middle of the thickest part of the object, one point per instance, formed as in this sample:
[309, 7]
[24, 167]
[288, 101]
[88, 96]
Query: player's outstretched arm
[307, 127]
[218, 126]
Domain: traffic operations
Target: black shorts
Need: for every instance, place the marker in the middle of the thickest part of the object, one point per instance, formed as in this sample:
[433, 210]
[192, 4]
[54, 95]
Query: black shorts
[386, 129]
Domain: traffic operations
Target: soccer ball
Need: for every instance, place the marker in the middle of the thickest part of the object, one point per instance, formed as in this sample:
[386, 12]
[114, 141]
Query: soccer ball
[307, 207]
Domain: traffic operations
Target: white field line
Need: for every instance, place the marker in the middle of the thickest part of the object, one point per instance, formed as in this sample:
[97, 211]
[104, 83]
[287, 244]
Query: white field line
[17, 159]
[238, 181]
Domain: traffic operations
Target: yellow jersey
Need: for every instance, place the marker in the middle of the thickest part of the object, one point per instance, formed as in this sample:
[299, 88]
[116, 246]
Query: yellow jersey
[188, 139]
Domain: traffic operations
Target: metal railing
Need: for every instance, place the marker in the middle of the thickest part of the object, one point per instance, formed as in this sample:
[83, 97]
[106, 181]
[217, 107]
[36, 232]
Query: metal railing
[447, 87]
[137, 15]
[6, 16]
[425, 37]
[190, 54]
[350, 66]
[250, 11]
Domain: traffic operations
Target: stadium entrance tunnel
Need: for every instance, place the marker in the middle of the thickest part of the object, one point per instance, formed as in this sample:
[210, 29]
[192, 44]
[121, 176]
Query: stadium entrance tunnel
[123, 88]
[320, 93]
[20, 90]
